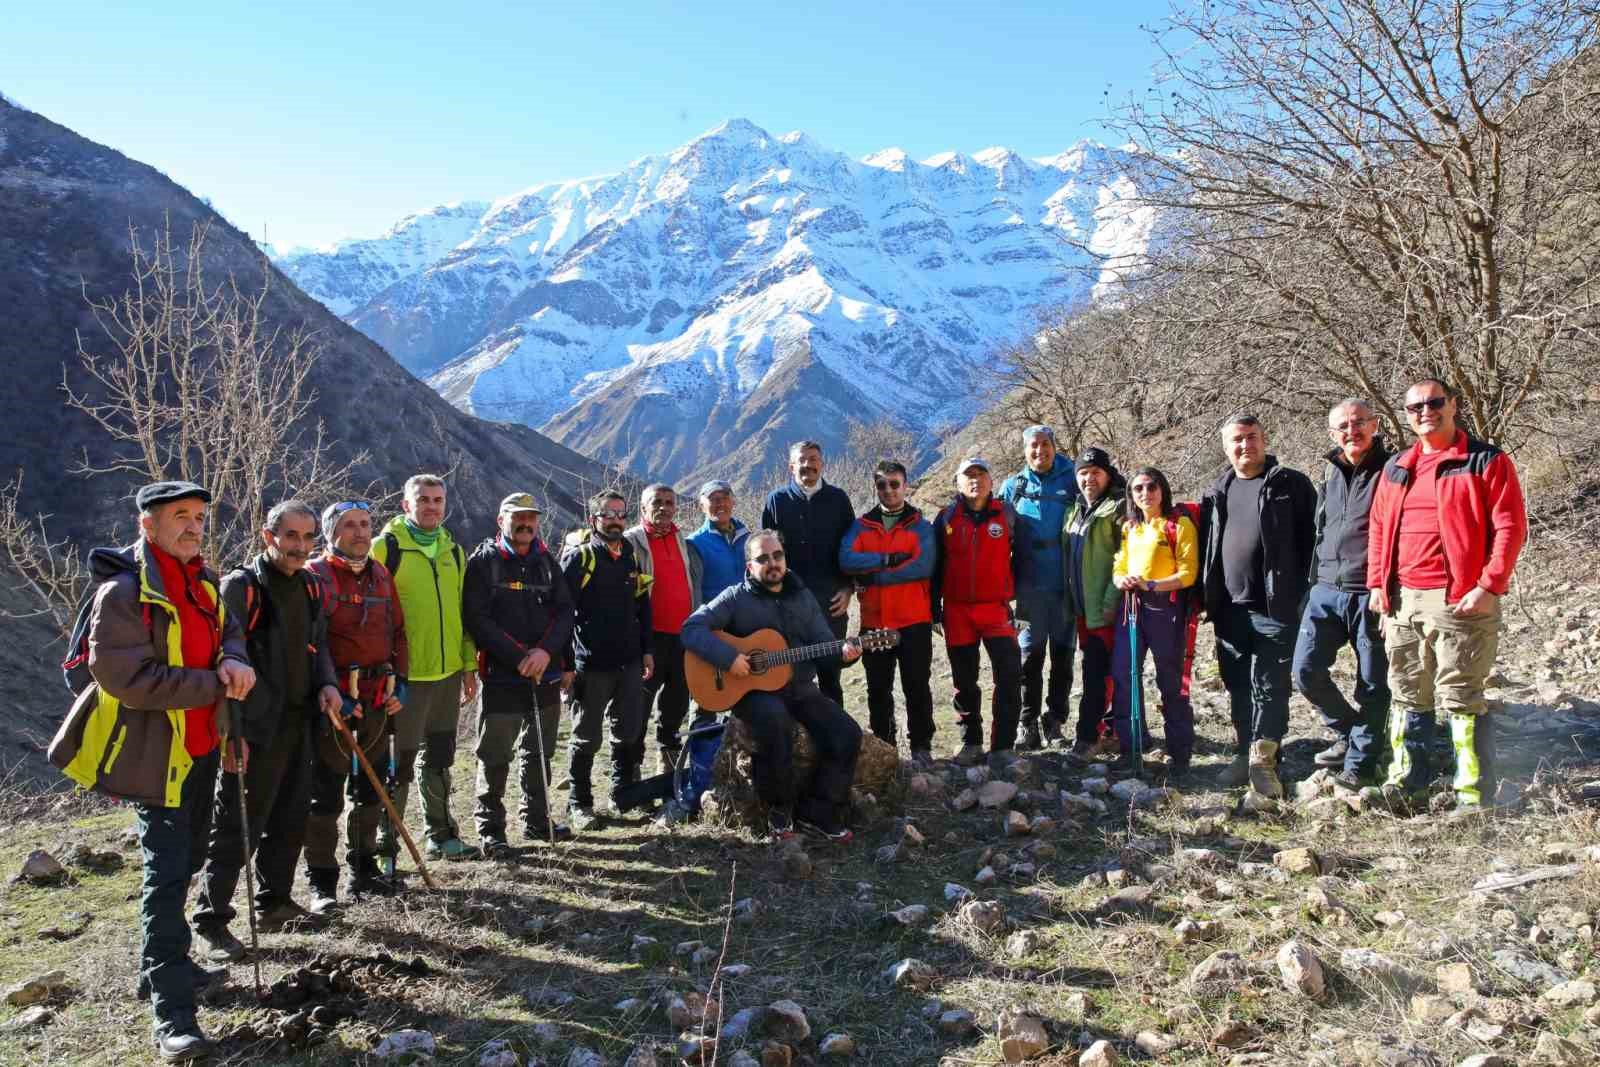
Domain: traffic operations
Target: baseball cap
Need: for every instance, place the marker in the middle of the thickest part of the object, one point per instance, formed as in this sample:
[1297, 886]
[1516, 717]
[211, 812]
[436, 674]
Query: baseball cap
[973, 461]
[716, 485]
[519, 502]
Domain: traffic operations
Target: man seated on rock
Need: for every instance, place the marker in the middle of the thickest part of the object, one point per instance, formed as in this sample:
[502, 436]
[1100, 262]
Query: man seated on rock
[770, 598]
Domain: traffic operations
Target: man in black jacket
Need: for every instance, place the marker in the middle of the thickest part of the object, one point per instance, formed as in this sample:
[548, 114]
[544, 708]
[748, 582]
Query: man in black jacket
[611, 651]
[286, 634]
[812, 517]
[515, 604]
[1256, 529]
[770, 598]
[1336, 610]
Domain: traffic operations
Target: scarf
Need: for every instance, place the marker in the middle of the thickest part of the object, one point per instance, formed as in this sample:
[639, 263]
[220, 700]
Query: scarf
[425, 538]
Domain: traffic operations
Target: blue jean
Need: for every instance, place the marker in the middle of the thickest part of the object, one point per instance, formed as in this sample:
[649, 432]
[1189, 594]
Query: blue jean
[1334, 619]
[1254, 651]
[1050, 630]
[174, 844]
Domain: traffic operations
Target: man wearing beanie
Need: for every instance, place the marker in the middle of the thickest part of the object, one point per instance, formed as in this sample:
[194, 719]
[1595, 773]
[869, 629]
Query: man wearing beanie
[1090, 538]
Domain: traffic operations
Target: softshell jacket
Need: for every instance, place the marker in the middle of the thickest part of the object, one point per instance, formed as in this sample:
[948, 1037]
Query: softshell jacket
[811, 531]
[1482, 518]
[366, 624]
[639, 538]
[1288, 509]
[891, 597]
[1089, 581]
[721, 557]
[513, 604]
[743, 609]
[1041, 502]
[611, 628]
[246, 592]
[1344, 512]
[975, 556]
[430, 596]
[124, 735]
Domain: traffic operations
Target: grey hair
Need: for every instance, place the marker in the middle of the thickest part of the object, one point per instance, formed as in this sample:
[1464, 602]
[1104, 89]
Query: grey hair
[800, 446]
[293, 506]
[417, 481]
[758, 537]
[648, 492]
[1353, 402]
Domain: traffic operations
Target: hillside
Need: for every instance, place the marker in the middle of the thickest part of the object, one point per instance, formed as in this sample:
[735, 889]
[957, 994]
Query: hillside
[67, 205]
[695, 312]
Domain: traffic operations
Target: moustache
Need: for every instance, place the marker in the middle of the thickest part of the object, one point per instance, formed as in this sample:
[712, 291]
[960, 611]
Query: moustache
[522, 529]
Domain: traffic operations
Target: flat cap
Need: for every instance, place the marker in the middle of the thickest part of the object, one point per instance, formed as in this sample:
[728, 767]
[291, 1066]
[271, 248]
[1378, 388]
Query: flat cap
[166, 492]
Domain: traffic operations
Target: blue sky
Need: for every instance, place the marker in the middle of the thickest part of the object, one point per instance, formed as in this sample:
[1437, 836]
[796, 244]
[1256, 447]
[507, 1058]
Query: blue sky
[322, 121]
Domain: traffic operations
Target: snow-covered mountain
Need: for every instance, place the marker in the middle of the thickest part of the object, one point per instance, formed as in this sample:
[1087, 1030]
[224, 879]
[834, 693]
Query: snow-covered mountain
[698, 310]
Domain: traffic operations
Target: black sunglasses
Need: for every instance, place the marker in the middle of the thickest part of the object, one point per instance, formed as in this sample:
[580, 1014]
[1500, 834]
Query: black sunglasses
[1433, 403]
[770, 557]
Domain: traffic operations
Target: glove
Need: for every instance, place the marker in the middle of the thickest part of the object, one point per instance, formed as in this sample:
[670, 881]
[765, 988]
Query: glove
[895, 559]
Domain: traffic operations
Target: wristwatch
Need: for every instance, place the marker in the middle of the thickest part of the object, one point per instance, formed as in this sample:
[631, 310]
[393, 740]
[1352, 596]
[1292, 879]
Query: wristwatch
[1150, 585]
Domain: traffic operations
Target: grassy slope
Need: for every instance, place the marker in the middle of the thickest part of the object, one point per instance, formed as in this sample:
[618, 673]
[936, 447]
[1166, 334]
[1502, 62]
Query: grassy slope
[822, 942]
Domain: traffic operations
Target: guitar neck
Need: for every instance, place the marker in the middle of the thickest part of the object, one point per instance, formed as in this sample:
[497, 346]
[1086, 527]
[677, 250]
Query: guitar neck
[801, 653]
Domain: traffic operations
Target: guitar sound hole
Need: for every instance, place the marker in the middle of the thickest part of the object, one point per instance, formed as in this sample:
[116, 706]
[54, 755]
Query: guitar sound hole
[758, 663]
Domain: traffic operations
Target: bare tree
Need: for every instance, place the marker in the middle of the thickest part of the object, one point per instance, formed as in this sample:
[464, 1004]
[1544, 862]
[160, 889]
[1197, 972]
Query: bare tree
[50, 570]
[866, 445]
[1374, 190]
[196, 386]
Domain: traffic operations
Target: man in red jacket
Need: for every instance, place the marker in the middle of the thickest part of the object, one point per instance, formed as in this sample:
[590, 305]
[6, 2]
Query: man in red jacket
[974, 585]
[1447, 523]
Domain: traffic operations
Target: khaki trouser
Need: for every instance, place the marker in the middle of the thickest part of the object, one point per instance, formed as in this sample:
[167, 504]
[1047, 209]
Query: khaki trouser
[1440, 662]
[427, 722]
[511, 723]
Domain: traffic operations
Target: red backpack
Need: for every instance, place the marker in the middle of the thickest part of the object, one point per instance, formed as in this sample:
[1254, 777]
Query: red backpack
[1194, 597]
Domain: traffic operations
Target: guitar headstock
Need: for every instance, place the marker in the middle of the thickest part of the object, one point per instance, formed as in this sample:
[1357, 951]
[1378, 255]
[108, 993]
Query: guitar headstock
[879, 640]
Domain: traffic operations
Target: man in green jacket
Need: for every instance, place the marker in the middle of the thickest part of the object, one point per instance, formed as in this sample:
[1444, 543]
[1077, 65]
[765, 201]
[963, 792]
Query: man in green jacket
[428, 569]
[1090, 536]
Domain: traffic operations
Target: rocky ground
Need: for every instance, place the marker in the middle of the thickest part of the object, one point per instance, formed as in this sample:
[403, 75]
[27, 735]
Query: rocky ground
[1028, 911]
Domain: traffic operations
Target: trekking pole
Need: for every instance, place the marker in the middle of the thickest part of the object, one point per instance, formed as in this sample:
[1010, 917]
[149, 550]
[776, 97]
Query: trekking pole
[355, 846]
[236, 740]
[383, 797]
[544, 764]
[1135, 697]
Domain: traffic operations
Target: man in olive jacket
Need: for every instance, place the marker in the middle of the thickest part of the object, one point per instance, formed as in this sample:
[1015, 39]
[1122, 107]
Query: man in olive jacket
[162, 652]
[1090, 537]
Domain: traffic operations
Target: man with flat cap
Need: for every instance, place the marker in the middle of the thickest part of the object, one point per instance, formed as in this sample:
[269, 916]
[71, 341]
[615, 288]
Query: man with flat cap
[161, 651]
[516, 605]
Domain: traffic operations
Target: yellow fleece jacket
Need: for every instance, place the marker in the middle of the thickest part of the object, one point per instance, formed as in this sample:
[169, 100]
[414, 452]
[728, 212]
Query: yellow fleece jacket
[1147, 555]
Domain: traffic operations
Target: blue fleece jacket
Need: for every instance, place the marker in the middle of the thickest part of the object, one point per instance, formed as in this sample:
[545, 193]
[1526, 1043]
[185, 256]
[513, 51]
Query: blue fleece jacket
[722, 558]
[1041, 502]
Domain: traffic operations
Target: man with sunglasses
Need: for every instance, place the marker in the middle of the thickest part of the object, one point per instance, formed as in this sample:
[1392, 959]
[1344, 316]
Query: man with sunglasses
[1448, 522]
[611, 652]
[516, 605]
[1336, 612]
[367, 641]
[770, 598]
[890, 552]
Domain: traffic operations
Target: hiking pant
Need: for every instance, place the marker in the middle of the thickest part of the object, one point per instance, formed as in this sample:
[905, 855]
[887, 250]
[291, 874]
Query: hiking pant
[426, 723]
[512, 721]
[278, 784]
[1095, 701]
[914, 656]
[1332, 620]
[1049, 630]
[606, 699]
[1160, 623]
[965, 627]
[174, 842]
[1441, 663]
[666, 693]
[329, 790]
[834, 734]
[1254, 653]
[828, 670]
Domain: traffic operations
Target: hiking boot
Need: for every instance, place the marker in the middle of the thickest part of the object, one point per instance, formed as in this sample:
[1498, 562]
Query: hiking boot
[825, 827]
[970, 756]
[779, 826]
[452, 849]
[1333, 755]
[1177, 774]
[1079, 754]
[667, 760]
[1125, 766]
[324, 883]
[1263, 769]
[369, 878]
[289, 917]
[180, 1041]
[324, 903]
[1400, 802]
[1053, 737]
[1351, 781]
[582, 818]
[204, 979]
[1030, 741]
[494, 848]
[1108, 745]
[1237, 772]
[545, 831]
[220, 944]
[922, 759]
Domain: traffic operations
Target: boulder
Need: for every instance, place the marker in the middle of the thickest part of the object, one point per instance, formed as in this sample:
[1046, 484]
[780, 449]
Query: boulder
[1022, 1036]
[1300, 970]
[837, 1044]
[1574, 994]
[785, 1021]
[1099, 1054]
[877, 772]
[956, 1023]
[499, 1053]
[1298, 861]
[954, 893]
[985, 915]
[1016, 824]
[965, 800]
[41, 868]
[33, 1018]
[911, 915]
[1453, 978]
[910, 974]
[1219, 968]
[996, 794]
[39, 988]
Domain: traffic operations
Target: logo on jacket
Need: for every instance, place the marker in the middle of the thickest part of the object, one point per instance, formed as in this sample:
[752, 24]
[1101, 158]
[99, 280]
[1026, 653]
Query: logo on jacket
[996, 531]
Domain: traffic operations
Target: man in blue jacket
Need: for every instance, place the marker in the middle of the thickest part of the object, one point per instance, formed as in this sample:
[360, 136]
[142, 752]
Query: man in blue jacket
[719, 541]
[812, 517]
[771, 598]
[1042, 493]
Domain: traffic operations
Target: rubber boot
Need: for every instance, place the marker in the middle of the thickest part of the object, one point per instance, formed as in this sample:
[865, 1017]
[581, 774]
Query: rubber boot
[1263, 769]
[1237, 772]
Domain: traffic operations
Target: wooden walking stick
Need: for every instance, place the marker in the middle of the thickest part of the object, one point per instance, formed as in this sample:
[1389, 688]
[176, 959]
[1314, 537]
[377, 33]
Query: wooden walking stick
[383, 795]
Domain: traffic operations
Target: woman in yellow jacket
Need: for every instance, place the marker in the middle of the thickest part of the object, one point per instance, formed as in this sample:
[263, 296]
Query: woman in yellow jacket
[1159, 558]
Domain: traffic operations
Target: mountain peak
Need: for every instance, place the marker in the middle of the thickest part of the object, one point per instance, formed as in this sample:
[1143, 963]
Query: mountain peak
[736, 131]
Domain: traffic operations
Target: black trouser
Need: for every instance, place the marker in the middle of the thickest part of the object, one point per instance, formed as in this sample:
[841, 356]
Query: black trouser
[329, 790]
[174, 844]
[1005, 659]
[1254, 653]
[605, 701]
[914, 655]
[836, 735]
[669, 682]
[1095, 701]
[828, 670]
[278, 782]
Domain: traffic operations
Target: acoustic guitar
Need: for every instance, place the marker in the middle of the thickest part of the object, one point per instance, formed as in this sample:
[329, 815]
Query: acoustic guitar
[771, 664]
